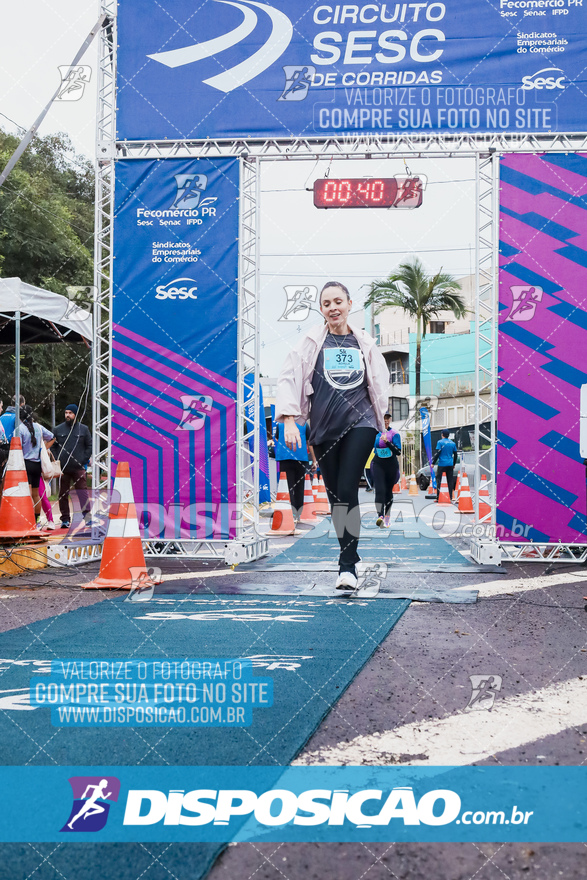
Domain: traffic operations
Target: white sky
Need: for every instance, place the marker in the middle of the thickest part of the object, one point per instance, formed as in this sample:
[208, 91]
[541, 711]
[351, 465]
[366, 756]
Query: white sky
[303, 245]
[36, 37]
[300, 244]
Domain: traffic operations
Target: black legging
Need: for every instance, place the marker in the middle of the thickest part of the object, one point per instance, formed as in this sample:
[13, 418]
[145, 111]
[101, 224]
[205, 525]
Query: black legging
[341, 463]
[385, 476]
[295, 472]
[449, 471]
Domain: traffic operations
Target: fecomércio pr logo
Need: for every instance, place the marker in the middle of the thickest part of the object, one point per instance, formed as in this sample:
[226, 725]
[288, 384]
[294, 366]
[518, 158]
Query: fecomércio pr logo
[92, 796]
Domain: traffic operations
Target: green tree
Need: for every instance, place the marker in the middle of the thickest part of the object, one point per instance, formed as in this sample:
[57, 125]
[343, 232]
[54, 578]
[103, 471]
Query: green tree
[422, 297]
[46, 239]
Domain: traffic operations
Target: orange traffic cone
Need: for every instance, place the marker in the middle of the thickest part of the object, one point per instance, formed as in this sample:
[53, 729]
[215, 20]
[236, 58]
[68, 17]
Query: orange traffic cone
[457, 489]
[322, 506]
[465, 500]
[397, 488]
[308, 515]
[444, 495]
[282, 521]
[484, 506]
[431, 491]
[413, 490]
[17, 513]
[123, 560]
[404, 485]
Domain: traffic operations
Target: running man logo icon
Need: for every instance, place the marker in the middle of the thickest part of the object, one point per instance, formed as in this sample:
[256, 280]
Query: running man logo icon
[409, 192]
[195, 411]
[298, 80]
[524, 302]
[299, 302]
[143, 583]
[189, 191]
[90, 802]
[370, 576]
[73, 82]
[484, 689]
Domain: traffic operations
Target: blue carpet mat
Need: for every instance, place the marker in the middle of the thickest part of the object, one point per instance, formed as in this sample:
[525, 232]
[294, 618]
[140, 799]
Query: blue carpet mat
[407, 544]
[311, 648]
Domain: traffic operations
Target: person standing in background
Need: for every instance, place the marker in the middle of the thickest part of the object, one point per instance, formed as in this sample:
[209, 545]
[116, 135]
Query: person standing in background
[446, 456]
[294, 464]
[73, 450]
[32, 436]
[9, 417]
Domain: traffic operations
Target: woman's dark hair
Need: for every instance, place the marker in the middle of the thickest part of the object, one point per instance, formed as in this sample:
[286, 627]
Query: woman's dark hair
[26, 417]
[334, 284]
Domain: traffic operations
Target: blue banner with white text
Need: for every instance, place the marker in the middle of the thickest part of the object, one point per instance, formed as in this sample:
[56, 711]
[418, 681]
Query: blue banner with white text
[301, 69]
[174, 367]
[304, 804]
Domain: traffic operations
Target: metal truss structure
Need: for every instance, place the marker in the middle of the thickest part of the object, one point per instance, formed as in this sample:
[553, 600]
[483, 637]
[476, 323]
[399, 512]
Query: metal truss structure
[544, 552]
[486, 325]
[486, 149]
[104, 213]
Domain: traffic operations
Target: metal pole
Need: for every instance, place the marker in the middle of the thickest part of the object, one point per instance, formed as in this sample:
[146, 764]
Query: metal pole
[478, 318]
[33, 129]
[17, 373]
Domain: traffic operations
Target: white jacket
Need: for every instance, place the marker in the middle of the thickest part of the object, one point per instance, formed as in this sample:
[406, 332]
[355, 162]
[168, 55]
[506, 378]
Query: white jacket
[294, 385]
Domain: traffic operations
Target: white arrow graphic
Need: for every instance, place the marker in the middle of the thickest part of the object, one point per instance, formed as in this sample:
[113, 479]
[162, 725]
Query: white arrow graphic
[241, 73]
[179, 57]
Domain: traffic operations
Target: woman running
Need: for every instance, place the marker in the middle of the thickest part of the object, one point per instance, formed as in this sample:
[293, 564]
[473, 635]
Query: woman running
[338, 377]
[385, 470]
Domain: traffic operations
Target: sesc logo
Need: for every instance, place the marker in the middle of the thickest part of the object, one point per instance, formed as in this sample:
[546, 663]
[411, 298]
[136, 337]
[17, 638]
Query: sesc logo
[181, 288]
[538, 81]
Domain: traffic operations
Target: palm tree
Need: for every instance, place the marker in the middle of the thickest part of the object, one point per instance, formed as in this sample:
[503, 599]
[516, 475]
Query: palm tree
[421, 296]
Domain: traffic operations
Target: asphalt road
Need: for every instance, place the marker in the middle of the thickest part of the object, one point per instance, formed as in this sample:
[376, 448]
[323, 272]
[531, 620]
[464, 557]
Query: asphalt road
[409, 706]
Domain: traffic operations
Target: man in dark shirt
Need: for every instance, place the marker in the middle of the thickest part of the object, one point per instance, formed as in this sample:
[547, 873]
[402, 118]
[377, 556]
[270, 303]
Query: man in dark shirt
[73, 449]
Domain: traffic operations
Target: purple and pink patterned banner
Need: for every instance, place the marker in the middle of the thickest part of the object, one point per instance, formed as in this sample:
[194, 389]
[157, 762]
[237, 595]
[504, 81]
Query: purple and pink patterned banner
[542, 343]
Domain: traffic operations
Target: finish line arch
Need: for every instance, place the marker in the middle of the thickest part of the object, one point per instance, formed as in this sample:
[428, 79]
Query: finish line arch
[240, 540]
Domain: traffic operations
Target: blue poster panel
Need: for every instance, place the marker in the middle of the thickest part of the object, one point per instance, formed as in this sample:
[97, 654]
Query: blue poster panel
[295, 68]
[175, 342]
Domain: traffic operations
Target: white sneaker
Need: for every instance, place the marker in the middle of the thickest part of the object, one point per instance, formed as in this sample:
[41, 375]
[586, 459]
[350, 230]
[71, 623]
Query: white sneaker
[346, 581]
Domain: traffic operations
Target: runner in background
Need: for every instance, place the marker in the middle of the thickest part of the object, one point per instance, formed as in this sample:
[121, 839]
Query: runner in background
[385, 470]
[294, 463]
[338, 377]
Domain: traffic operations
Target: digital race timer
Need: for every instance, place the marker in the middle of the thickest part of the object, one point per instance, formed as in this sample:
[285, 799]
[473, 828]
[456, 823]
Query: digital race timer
[368, 192]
